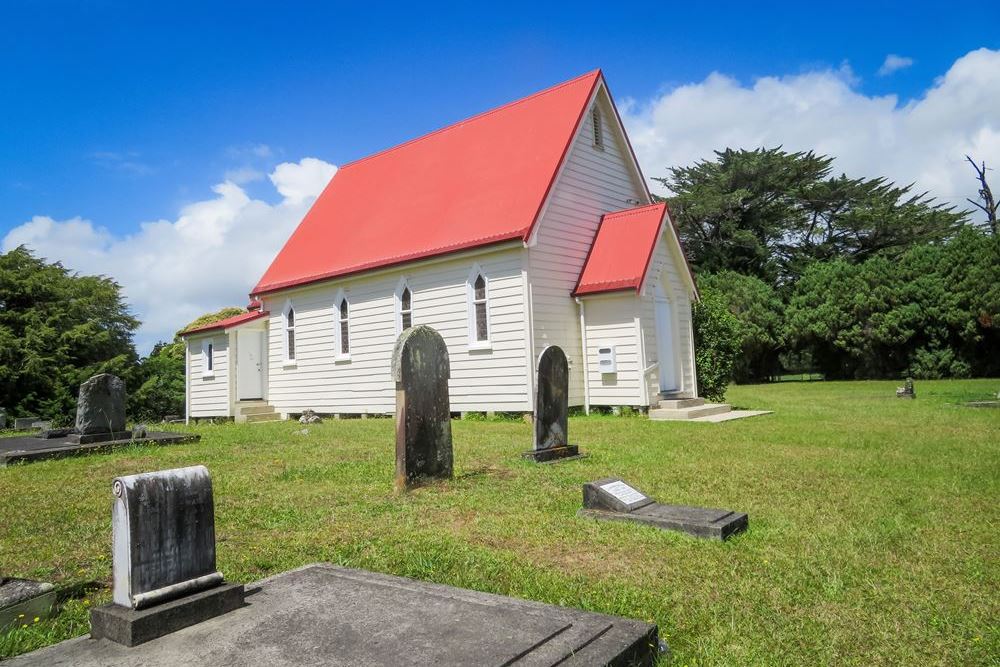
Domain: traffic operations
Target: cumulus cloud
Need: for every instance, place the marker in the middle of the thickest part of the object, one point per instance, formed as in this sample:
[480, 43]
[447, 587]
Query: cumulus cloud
[894, 63]
[175, 270]
[922, 141]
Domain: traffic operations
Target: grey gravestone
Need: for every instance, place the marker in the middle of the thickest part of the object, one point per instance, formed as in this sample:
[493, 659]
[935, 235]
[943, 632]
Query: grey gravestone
[163, 544]
[614, 500]
[552, 408]
[421, 369]
[24, 423]
[3, 418]
[42, 425]
[23, 599]
[328, 615]
[906, 391]
[100, 407]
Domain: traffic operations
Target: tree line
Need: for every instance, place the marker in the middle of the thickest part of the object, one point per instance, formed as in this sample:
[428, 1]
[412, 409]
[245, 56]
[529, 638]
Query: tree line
[848, 277]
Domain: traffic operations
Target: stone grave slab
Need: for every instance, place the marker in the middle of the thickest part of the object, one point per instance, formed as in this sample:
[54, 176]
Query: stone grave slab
[163, 547]
[613, 499]
[421, 368]
[24, 423]
[551, 419]
[58, 443]
[327, 615]
[23, 596]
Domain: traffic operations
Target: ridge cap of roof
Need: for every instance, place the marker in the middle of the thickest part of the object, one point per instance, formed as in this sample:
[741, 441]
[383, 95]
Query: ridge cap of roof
[483, 114]
[625, 212]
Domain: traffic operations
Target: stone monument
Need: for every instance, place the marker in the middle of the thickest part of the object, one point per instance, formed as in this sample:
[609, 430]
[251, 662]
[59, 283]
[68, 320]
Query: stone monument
[24, 598]
[100, 407]
[552, 408]
[421, 369]
[612, 499]
[906, 391]
[163, 544]
[3, 418]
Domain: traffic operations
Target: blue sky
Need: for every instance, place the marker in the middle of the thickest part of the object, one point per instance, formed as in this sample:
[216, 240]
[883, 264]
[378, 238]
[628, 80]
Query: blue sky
[118, 113]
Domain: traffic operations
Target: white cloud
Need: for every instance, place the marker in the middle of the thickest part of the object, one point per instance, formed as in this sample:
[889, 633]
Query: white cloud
[923, 141]
[175, 270]
[298, 182]
[243, 175]
[894, 63]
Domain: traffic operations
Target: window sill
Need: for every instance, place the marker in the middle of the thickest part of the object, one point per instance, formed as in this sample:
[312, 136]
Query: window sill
[481, 346]
[290, 364]
[342, 359]
[208, 376]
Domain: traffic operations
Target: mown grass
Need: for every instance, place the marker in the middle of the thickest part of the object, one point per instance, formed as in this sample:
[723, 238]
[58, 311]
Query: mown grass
[873, 531]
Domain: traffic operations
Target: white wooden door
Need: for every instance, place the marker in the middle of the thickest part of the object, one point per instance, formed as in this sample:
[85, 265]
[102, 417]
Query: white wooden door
[249, 365]
[665, 343]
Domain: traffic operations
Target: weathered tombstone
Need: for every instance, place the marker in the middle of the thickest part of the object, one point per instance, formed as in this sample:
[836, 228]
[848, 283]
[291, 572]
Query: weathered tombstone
[421, 369]
[906, 391]
[552, 408]
[3, 418]
[41, 425]
[612, 499]
[310, 417]
[24, 599]
[163, 543]
[24, 423]
[100, 407]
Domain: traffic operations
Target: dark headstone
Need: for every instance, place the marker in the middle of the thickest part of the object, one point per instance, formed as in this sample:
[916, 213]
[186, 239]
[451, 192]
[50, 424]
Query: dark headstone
[338, 617]
[163, 543]
[551, 422]
[100, 407]
[3, 418]
[612, 499]
[420, 368]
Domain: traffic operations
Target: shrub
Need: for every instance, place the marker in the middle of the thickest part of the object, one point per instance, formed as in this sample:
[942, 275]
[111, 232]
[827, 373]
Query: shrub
[717, 339]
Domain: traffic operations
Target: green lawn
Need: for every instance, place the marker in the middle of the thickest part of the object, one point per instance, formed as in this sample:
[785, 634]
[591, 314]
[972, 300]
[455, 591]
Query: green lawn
[873, 529]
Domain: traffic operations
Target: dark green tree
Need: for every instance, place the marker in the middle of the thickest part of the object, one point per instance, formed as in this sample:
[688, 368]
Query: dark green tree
[769, 213]
[717, 336]
[58, 328]
[760, 312]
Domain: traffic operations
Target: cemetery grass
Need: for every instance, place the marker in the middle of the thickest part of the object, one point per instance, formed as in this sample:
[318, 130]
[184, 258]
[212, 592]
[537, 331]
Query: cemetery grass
[872, 540]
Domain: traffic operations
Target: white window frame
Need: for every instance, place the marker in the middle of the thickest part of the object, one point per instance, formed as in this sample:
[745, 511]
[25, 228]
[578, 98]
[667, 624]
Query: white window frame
[470, 297]
[338, 321]
[598, 128]
[288, 362]
[403, 285]
[208, 357]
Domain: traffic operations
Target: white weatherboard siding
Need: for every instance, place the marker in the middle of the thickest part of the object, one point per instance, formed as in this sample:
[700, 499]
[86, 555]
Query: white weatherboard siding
[664, 267]
[593, 181]
[610, 321]
[209, 396]
[491, 379]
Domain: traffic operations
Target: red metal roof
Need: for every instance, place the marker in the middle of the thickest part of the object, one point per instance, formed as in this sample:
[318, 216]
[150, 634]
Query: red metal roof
[233, 321]
[480, 181]
[622, 248]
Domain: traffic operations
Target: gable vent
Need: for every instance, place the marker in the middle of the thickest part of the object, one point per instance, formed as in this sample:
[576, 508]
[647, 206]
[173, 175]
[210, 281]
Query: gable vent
[595, 116]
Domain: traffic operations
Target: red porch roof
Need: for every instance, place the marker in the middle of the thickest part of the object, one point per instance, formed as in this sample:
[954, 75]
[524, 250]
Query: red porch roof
[478, 182]
[233, 321]
[622, 250]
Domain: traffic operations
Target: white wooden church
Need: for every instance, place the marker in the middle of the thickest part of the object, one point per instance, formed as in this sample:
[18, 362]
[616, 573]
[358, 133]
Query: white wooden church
[525, 226]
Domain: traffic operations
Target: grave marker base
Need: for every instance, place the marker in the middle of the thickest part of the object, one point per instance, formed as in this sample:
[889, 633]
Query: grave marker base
[612, 499]
[131, 627]
[23, 596]
[552, 454]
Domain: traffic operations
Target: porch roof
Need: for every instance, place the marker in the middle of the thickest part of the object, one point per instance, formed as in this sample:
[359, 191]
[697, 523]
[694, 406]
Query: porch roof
[228, 323]
[622, 249]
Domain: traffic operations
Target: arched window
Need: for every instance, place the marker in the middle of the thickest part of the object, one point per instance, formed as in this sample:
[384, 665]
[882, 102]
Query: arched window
[479, 316]
[343, 326]
[404, 307]
[289, 333]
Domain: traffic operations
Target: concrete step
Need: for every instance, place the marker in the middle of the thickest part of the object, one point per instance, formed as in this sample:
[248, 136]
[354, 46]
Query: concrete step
[664, 414]
[681, 403]
[263, 417]
[255, 409]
